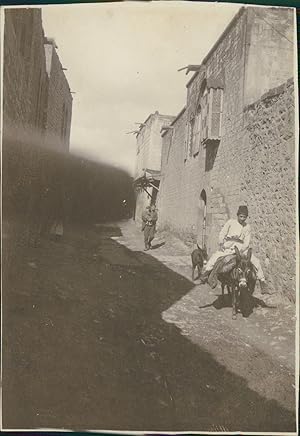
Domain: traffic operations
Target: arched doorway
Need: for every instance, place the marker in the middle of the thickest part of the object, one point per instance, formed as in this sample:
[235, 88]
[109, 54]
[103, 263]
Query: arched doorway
[202, 218]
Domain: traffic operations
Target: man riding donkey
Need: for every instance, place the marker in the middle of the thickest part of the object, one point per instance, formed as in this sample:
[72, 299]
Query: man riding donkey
[235, 233]
[149, 219]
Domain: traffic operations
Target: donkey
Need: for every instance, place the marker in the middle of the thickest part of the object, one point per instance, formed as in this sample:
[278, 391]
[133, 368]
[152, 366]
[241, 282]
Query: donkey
[240, 281]
[199, 258]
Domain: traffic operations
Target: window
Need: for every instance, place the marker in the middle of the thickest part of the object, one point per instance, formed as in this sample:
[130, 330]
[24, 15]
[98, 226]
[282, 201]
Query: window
[197, 132]
[191, 134]
[212, 119]
[169, 144]
[204, 124]
[189, 137]
[216, 112]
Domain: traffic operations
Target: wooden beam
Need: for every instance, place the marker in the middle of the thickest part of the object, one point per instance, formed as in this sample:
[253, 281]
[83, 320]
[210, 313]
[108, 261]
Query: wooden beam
[153, 186]
[189, 68]
[147, 192]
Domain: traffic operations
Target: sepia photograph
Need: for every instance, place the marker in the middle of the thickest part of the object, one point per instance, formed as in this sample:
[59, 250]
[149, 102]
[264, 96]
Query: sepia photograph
[149, 228]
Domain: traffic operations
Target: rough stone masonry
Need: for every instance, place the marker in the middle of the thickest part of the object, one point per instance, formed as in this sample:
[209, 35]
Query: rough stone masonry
[37, 108]
[269, 184]
[251, 159]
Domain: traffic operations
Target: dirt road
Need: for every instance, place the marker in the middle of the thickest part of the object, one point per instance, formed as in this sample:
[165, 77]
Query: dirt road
[98, 334]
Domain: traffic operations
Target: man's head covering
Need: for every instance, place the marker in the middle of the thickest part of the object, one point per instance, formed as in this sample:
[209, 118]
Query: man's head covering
[242, 210]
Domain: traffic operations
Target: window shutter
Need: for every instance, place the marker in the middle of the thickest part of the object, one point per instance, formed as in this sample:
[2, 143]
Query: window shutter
[215, 115]
[200, 129]
[197, 134]
[205, 113]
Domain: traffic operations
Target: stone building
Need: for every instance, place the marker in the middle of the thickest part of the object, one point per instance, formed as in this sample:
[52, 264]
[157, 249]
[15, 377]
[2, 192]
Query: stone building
[148, 160]
[59, 100]
[233, 143]
[36, 93]
[37, 104]
[24, 74]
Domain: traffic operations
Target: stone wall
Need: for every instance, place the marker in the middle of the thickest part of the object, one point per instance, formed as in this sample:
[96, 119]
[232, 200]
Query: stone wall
[149, 145]
[24, 97]
[59, 103]
[269, 50]
[23, 77]
[252, 162]
[142, 153]
[158, 121]
[172, 198]
[181, 205]
[32, 175]
[269, 186]
[216, 171]
[266, 169]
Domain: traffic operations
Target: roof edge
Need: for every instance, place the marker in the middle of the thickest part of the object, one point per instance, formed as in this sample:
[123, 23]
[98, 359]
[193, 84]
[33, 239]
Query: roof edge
[153, 114]
[272, 92]
[221, 37]
[178, 115]
[175, 119]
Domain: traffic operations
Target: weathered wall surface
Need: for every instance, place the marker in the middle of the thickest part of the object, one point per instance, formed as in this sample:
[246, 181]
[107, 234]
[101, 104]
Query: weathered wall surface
[218, 169]
[253, 163]
[266, 159]
[24, 97]
[24, 70]
[59, 103]
[143, 146]
[158, 121]
[222, 177]
[32, 176]
[269, 50]
[269, 185]
[149, 145]
[172, 202]
[181, 207]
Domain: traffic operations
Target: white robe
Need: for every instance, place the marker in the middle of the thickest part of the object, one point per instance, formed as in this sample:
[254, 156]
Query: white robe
[234, 234]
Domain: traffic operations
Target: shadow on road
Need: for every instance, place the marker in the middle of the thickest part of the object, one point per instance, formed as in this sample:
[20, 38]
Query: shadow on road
[225, 301]
[85, 347]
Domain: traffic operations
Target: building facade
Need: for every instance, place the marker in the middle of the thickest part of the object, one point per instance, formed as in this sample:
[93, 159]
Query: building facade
[36, 96]
[231, 120]
[148, 161]
[59, 100]
[24, 74]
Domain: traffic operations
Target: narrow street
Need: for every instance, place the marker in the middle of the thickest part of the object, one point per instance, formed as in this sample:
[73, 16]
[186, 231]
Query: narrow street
[100, 335]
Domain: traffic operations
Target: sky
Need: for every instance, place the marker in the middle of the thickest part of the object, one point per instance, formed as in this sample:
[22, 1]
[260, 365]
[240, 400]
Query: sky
[122, 61]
